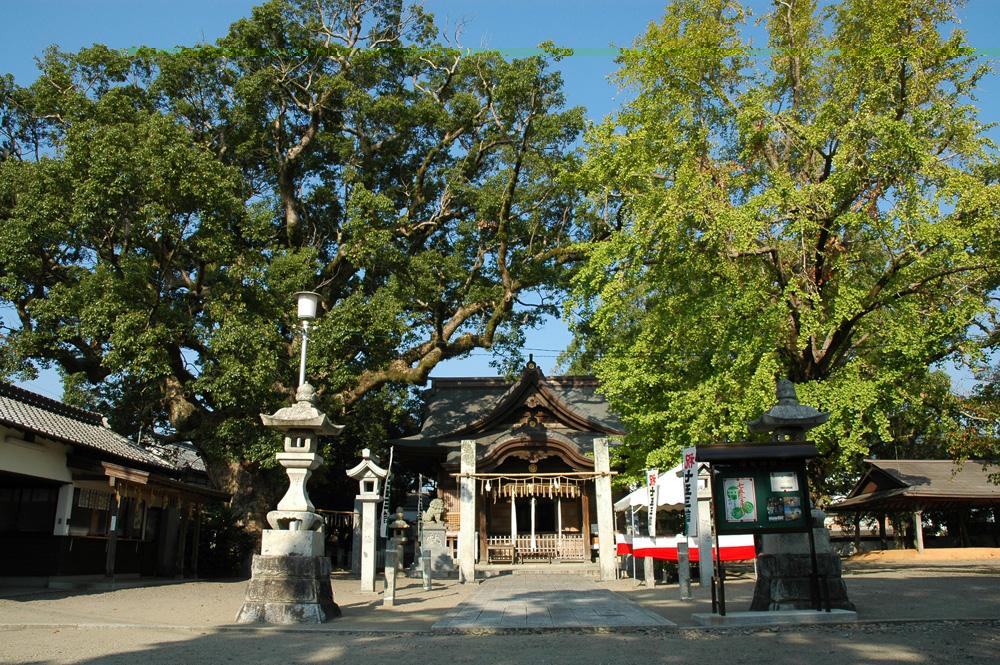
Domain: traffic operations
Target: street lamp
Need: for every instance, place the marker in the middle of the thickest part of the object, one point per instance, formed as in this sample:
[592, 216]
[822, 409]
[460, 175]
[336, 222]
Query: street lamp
[308, 303]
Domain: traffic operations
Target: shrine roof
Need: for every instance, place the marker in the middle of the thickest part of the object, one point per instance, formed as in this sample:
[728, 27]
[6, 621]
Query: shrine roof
[479, 407]
[915, 484]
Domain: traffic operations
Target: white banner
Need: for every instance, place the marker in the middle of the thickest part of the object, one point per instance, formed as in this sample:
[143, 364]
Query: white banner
[689, 471]
[651, 476]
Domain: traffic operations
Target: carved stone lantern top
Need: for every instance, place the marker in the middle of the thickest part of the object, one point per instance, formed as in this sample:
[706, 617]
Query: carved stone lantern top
[788, 420]
[302, 422]
[368, 474]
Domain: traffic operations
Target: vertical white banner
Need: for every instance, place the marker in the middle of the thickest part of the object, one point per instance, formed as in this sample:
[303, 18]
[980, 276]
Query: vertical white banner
[651, 476]
[689, 469]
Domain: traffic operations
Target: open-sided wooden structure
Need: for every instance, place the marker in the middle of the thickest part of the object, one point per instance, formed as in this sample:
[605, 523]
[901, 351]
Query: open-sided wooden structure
[915, 486]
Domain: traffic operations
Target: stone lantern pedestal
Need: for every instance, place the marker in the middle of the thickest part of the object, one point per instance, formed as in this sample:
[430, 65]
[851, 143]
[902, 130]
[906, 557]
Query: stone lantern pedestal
[290, 580]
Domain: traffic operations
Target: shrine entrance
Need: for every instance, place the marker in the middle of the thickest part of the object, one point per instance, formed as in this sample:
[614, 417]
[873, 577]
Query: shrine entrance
[523, 469]
[534, 517]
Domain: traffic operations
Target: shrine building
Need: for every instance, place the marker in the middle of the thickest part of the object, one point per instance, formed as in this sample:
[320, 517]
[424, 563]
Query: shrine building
[522, 468]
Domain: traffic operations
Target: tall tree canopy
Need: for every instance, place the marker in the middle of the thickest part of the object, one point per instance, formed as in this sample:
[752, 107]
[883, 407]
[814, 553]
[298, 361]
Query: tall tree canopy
[825, 209]
[158, 210]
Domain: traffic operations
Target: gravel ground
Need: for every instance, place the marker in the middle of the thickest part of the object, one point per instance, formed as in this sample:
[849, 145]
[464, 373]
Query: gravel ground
[924, 615]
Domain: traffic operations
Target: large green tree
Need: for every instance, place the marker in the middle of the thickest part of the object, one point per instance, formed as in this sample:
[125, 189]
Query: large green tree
[824, 209]
[159, 209]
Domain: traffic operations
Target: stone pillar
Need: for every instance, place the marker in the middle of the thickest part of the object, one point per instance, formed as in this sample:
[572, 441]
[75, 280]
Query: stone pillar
[425, 569]
[64, 508]
[706, 566]
[369, 529]
[356, 539]
[918, 530]
[683, 571]
[467, 512]
[605, 510]
[389, 596]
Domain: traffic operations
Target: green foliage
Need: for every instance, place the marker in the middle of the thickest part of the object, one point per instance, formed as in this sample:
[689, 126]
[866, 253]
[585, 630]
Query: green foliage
[829, 213]
[158, 210]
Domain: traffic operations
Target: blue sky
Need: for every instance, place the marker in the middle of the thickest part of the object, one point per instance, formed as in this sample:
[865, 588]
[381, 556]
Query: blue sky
[27, 27]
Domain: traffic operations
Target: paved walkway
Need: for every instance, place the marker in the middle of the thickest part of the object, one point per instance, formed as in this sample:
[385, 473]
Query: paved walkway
[546, 601]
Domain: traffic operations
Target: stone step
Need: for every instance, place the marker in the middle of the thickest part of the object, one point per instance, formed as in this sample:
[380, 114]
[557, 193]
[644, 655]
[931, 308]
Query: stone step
[584, 569]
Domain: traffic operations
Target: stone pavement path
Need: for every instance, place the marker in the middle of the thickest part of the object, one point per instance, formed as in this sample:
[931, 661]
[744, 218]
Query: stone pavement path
[546, 601]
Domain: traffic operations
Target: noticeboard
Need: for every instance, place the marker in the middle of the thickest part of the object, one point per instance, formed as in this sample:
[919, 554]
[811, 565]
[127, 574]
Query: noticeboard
[756, 499]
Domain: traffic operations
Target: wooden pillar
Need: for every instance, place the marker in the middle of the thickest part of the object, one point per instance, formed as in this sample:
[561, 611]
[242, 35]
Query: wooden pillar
[881, 532]
[918, 530]
[482, 533]
[182, 529]
[857, 533]
[585, 513]
[963, 528]
[112, 544]
[196, 536]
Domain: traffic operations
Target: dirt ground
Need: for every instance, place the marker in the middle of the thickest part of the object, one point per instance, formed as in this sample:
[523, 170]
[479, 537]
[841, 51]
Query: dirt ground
[925, 612]
[944, 554]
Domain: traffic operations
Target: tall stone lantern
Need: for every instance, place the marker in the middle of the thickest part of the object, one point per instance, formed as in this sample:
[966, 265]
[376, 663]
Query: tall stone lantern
[370, 477]
[291, 575]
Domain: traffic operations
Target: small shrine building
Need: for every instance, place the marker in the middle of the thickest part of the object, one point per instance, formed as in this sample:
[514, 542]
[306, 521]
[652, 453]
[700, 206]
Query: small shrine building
[522, 467]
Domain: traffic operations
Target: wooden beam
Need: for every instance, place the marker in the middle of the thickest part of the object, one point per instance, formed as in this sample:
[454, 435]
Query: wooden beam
[112, 545]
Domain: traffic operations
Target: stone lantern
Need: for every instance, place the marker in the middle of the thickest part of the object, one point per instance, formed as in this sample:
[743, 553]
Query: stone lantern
[291, 575]
[399, 528]
[370, 477]
[788, 420]
[301, 424]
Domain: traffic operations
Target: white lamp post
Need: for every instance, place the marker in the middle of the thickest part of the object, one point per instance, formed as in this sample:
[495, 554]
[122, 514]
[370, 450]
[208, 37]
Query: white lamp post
[308, 304]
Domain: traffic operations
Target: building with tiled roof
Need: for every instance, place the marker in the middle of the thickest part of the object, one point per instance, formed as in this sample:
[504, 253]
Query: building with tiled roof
[533, 456]
[73, 491]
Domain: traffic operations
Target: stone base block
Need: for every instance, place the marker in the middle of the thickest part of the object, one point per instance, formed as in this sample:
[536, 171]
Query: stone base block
[276, 542]
[434, 538]
[783, 582]
[289, 589]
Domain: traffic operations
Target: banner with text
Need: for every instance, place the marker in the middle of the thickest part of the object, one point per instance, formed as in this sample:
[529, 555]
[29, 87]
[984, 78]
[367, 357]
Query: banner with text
[651, 476]
[689, 471]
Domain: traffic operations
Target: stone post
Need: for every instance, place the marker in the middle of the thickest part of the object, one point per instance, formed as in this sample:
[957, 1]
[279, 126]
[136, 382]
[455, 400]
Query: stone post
[706, 566]
[683, 571]
[467, 513]
[918, 530]
[369, 529]
[425, 569]
[605, 510]
[389, 597]
[356, 539]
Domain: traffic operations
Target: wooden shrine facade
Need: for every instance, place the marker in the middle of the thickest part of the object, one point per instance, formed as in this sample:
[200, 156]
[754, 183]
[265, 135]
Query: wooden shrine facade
[533, 476]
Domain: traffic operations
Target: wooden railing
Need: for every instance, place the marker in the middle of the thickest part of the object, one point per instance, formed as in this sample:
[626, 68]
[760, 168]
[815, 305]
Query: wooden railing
[548, 547]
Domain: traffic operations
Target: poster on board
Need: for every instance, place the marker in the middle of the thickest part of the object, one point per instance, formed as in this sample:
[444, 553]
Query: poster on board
[741, 499]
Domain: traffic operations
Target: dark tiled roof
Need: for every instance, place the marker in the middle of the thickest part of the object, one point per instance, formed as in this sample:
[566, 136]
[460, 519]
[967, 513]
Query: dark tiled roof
[50, 418]
[452, 403]
[912, 484]
[942, 477]
[182, 457]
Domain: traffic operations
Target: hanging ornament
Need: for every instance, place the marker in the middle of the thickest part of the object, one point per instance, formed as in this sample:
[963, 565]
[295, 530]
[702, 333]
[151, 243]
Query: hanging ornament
[489, 486]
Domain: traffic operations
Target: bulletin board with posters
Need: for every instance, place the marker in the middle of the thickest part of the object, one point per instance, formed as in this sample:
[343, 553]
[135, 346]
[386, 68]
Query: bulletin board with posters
[755, 497]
